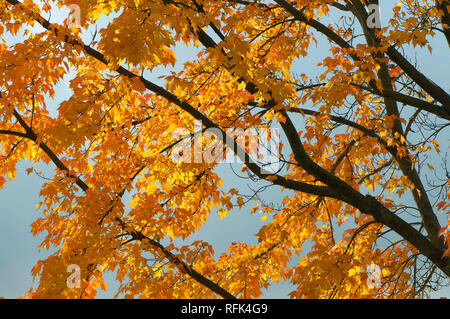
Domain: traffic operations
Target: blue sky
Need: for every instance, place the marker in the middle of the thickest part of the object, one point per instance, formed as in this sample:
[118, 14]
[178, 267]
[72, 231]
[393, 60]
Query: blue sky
[19, 250]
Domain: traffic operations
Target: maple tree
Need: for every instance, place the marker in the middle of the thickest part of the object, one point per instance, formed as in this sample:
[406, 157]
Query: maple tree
[357, 138]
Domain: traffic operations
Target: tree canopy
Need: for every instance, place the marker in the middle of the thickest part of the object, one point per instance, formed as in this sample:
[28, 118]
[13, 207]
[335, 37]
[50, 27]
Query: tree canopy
[360, 169]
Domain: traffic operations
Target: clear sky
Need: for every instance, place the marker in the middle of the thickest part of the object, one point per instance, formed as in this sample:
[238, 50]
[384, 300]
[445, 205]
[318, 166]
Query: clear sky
[19, 250]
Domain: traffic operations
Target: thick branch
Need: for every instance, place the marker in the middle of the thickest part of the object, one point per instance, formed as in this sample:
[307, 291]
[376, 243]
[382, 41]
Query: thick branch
[32, 136]
[429, 218]
[366, 204]
[430, 87]
[419, 104]
[355, 198]
[13, 133]
[419, 193]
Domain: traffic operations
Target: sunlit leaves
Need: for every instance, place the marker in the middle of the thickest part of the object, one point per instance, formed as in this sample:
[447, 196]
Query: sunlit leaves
[118, 135]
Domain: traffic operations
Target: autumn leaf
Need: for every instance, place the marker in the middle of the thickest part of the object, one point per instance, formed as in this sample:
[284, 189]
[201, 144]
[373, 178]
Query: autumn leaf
[240, 201]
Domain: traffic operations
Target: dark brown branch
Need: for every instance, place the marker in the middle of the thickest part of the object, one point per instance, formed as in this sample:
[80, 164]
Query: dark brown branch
[366, 204]
[419, 104]
[430, 87]
[181, 265]
[32, 136]
[354, 197]
[419, 193]
[14, 133]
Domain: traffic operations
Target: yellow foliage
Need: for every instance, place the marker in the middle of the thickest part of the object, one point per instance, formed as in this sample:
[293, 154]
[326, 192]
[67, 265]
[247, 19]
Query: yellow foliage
[158, 77]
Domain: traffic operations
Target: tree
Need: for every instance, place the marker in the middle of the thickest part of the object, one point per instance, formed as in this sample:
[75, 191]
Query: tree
[359, 140]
